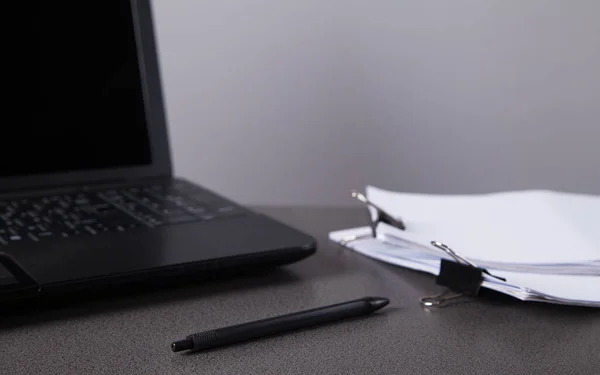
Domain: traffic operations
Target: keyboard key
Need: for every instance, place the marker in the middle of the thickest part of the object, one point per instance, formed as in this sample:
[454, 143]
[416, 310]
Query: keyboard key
[118, 210]
[159, 205]
[199, 209]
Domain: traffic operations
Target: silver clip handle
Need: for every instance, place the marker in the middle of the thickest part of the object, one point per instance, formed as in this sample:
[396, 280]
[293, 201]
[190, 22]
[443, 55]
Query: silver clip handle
[383, 215]
[441, 300]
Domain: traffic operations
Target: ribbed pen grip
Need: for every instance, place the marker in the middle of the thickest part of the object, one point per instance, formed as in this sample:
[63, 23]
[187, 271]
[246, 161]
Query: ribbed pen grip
[204, 340]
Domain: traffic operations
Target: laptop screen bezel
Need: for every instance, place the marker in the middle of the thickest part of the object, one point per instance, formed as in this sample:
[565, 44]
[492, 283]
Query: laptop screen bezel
[160, 165]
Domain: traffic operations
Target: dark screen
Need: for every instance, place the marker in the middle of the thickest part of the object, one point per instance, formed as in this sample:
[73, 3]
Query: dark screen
[83, 106]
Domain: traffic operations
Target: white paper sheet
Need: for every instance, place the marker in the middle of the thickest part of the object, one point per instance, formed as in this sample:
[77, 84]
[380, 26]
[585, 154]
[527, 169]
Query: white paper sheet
[545, 244]
[560, 289]
[516, 227]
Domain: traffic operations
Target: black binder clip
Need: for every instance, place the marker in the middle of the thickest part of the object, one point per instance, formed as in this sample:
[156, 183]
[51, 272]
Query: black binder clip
[463, 278]
[382, 217]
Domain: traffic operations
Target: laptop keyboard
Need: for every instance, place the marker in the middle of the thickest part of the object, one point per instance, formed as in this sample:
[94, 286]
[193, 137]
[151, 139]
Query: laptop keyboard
[112, 210]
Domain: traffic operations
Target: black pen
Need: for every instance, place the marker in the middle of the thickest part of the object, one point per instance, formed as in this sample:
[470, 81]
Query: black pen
[280, 324]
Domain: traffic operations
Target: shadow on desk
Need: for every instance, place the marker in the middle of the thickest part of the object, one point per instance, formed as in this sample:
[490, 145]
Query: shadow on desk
[119, 298]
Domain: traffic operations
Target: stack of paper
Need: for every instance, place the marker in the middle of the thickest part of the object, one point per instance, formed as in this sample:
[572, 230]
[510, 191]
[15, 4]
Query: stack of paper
[545, 244]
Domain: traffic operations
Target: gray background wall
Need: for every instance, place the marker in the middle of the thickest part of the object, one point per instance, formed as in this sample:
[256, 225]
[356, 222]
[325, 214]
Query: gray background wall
[296, 102]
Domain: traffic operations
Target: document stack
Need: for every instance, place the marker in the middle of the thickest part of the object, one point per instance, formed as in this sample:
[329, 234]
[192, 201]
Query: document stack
[533, 245]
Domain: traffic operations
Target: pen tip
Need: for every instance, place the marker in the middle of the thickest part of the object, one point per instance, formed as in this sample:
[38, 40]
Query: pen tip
[178, 346]
[378, 303]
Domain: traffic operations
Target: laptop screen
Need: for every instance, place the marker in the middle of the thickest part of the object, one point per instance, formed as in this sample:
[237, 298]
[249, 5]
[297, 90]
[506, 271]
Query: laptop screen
[80, 105]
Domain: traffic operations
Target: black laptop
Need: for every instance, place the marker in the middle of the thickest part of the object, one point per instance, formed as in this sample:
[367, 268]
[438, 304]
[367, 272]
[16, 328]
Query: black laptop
[87, 195]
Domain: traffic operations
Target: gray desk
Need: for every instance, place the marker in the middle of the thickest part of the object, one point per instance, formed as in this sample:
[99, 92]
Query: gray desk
[493, 335]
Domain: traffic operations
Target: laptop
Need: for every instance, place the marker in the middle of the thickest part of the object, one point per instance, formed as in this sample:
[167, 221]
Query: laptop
[87, 194]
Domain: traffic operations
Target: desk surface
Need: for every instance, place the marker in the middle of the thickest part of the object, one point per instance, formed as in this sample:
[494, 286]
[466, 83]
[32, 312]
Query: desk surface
[493, 335]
